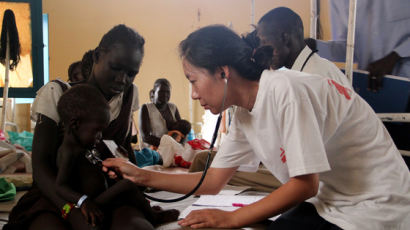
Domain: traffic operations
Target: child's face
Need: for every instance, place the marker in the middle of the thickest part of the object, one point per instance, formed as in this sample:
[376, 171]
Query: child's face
[90, 131]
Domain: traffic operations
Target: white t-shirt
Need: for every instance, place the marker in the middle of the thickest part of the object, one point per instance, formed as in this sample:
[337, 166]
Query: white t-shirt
[302, 124]
[47, 98]
[320, 66]
[158, 123]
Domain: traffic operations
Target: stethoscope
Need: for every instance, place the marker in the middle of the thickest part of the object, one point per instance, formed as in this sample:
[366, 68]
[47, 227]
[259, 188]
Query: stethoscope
[214, 136]
[94, 157]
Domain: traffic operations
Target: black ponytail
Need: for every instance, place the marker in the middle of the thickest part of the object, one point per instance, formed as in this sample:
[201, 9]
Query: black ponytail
[9, 27]
[215, 46]
[261, 56]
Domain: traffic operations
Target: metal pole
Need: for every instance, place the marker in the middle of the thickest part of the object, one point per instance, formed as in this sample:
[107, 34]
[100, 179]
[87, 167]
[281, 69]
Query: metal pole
[252, 14]
[6, 85]
[313, 19]
[350, 40]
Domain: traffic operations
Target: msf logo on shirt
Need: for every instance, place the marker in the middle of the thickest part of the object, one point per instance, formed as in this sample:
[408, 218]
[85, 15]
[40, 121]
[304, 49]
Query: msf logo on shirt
[341, 89]
[282, 155]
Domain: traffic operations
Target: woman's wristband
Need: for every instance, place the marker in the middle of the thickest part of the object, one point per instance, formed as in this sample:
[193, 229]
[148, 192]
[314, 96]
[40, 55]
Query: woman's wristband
[81, 201]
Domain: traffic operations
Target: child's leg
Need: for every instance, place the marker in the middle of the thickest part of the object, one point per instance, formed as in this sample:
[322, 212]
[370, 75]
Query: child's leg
[128, 217]
[126, 192]
[115, 191]
[48, 221]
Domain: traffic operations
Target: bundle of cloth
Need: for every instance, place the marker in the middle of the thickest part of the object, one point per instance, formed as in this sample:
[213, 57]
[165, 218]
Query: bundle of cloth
[14, 159]
[171, 152]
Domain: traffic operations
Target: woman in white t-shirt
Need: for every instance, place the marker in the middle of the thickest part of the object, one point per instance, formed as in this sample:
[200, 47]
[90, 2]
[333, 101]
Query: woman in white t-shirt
[338, 165]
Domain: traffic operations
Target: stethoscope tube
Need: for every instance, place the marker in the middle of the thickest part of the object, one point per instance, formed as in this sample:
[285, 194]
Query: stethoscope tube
[215, 135]
[208, 159]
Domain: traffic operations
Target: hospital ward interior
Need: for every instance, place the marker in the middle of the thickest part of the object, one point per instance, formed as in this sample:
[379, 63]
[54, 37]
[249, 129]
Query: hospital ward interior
[205, 114]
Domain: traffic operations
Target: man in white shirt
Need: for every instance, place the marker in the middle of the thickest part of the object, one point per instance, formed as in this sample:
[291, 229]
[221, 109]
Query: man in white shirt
[382, 37]
[282, 29]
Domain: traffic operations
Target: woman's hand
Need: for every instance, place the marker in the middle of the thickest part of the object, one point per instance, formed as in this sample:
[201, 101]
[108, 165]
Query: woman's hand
[125, 168]
[209, 218]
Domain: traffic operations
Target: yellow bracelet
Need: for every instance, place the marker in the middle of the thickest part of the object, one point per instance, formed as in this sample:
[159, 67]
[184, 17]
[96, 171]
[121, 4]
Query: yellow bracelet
[66, 210]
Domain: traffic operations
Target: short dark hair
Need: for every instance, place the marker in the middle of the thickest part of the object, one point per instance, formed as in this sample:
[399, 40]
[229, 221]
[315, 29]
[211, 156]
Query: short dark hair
[87, 64]
[80, 101]
[71, 69]
[215, 46]
[283, 19]
[162, 81]
[124, 35]
[182, 125]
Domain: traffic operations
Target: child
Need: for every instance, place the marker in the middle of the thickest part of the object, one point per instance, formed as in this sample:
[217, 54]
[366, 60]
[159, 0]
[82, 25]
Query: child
[84, 120]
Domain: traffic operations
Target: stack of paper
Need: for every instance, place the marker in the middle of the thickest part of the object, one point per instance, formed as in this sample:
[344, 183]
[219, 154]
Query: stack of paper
[222, 202]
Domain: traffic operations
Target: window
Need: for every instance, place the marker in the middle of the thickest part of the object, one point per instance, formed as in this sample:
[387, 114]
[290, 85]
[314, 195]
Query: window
[29, 74]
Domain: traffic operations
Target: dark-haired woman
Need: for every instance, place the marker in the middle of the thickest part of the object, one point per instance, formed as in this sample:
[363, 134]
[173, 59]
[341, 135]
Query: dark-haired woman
[117, 61]
[338, 165]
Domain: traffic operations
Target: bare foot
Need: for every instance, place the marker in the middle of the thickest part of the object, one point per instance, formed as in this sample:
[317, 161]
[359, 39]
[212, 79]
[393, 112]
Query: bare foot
[164, 216]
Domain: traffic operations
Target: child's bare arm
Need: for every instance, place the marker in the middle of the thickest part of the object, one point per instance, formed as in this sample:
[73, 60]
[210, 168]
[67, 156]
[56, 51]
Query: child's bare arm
[67, 159]
[66, 162]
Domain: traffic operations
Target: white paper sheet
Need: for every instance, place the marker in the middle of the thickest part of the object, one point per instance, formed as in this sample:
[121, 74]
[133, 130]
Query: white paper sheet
[225, 200]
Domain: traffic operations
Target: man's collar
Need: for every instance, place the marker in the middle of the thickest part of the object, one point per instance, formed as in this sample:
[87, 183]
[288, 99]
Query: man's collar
[303, 55]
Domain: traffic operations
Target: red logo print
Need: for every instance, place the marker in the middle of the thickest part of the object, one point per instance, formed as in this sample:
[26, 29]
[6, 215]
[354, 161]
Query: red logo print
[282, 155]
[342, 90]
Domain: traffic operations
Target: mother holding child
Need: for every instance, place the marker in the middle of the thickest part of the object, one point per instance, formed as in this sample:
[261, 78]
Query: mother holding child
[68, 193]
[339, 167]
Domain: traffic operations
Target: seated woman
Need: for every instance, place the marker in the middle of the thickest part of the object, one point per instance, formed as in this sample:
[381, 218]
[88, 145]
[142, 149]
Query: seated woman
[117, 60]
[157, 117]
[171, 150]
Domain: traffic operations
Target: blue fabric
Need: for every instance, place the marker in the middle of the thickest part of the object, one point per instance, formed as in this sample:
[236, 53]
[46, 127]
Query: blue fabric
[24, 139]
[381, 27]
[147, 157]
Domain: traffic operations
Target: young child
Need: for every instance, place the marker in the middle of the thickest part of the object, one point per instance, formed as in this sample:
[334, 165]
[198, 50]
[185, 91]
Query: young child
[171, 150]
[90, 190]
